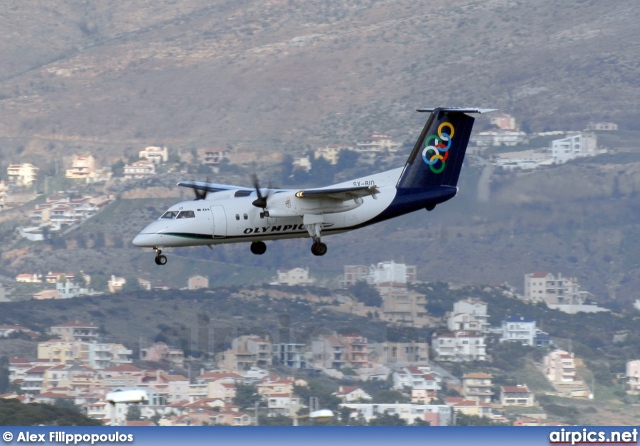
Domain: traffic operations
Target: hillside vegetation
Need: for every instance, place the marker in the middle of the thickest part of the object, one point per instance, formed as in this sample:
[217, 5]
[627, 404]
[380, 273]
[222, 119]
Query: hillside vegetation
[112, 76]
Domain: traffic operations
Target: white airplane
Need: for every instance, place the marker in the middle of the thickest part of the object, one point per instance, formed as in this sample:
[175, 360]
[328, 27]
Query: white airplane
[231, 214]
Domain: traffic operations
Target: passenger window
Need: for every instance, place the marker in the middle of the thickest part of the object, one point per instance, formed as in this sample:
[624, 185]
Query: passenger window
[246, 217]
[169, 215]
[237, 216]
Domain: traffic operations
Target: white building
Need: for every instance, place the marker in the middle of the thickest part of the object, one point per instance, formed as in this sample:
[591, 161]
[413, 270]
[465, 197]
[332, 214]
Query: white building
[602, 126]
[476, 308]
[416, 377]
[22, 174]
[435, 414]
[381, 272]
[295, 276]
[463, 322]
[459, 347]
[519, 329]
[375, 144]
[302, 163]
[156, 155]
[545, 287]
[574, 146]
[139, 169]
[525, 159]
[499, 137]
[559, 367]
[633, 377]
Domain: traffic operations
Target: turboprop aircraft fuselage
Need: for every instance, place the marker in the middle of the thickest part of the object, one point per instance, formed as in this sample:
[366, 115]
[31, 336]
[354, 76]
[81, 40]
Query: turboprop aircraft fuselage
[232, 214]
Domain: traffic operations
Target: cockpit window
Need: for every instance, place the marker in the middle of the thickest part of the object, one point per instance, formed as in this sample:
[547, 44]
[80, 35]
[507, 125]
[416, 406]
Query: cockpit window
[169, 215]
[242, 193]
[186, 214]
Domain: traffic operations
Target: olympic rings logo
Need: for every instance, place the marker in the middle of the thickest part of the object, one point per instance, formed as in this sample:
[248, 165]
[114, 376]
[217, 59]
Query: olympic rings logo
[438, 150]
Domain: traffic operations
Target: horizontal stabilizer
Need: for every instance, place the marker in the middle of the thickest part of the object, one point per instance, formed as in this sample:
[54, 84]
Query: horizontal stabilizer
[458, 110]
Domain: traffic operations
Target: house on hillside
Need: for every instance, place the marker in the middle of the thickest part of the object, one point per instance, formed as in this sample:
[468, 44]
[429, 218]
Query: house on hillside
[295, 276]
[156, 155]
[516, 396]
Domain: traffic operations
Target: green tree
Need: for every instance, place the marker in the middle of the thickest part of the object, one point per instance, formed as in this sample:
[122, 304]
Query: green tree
[385, 419]
[4, 374]
[134, 412]
[99, 282]
[246, 395]
[286, 169]
[131, 285]
[14, 413]
[117, 169]
[322, 171]
[366, 294]
[390, 397]
[347, 160]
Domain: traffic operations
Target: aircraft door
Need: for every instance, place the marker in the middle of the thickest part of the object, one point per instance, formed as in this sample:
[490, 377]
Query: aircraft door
[219, 221]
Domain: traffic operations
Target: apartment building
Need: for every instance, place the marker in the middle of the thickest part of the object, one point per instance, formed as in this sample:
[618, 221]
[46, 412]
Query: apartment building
[477, 309]
[519, 329]
[550, 289]
[477, 387]
[22, 174]
[401, 353]
[156, 155]
[574, 146]
[459, 347]
[633, 377]
[560, 367]
[379, 273]
[82, 168]
[295, 276]
[516, 396]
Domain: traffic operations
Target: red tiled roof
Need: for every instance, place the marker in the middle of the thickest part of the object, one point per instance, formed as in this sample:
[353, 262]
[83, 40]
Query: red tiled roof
[347, 390]
[539, 275]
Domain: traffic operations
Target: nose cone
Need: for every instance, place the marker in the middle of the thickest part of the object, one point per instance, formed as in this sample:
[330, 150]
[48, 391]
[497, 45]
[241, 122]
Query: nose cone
[141, 240]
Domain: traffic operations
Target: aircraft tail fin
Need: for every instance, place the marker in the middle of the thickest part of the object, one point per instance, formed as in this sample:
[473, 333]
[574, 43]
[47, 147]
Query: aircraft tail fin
[436, 159]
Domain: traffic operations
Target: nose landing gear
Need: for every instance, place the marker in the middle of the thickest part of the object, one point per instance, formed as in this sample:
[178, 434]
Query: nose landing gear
[160, 258]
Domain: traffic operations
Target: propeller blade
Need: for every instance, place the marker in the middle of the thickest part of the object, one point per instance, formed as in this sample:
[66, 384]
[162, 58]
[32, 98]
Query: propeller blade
[201, 194]
[261, 201]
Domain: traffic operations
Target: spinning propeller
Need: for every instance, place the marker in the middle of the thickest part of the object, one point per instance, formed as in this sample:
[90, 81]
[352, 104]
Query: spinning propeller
[261, 201]
[201, 192]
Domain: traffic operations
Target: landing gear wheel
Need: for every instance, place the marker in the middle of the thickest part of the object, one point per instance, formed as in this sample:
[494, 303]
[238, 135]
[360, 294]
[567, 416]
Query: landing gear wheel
[258, 248]
[161, 260]
[319, 249]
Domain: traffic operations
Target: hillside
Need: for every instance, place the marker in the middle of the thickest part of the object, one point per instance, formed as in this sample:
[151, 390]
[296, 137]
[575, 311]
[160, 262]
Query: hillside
[579, 219]
[112, 77]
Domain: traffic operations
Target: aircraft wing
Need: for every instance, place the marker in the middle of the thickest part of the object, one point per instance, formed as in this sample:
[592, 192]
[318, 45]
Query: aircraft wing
[210, 187]
[340, 193]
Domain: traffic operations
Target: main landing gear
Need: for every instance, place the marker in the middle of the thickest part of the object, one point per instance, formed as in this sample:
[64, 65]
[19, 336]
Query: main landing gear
[160, 258]
[318, 248]
[258, 248]
[315, 231]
